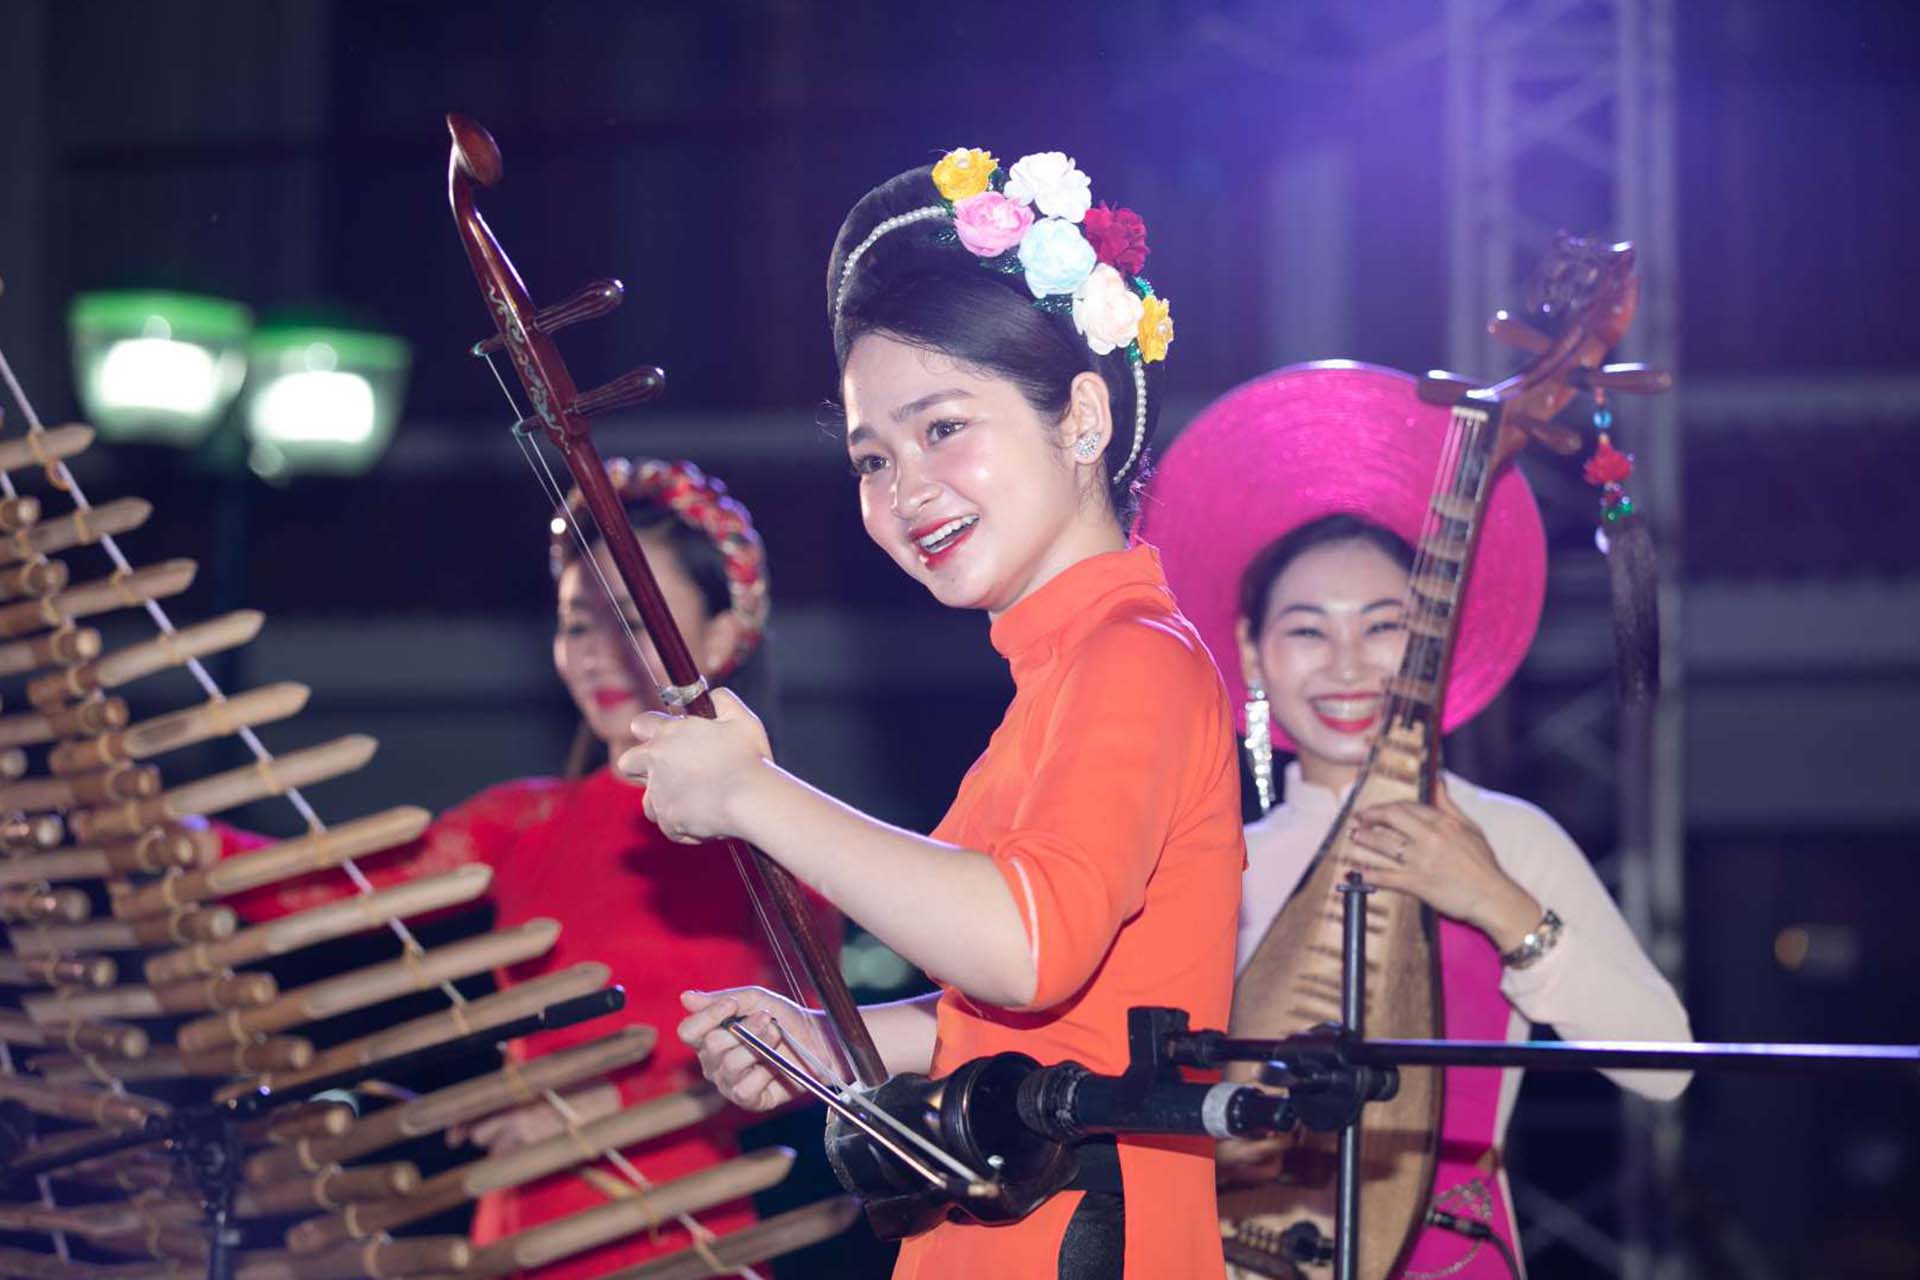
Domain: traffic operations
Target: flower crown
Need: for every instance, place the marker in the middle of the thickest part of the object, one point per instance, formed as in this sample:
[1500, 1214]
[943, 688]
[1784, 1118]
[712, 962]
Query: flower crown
[1037, 220]
[702, 503]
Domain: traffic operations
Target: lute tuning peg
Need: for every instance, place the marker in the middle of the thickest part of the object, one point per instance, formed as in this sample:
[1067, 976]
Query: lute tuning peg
[1507, 328]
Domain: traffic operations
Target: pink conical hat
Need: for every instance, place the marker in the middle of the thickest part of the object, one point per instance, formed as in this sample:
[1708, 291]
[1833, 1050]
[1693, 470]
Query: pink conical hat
[1333, 438]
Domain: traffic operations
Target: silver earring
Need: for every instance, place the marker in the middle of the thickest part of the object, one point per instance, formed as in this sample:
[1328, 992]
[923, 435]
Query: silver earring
[1087, 448]
[1259, 744]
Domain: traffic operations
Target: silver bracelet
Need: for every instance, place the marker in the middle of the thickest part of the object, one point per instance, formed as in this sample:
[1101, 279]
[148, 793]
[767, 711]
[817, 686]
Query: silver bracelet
[1536, 944]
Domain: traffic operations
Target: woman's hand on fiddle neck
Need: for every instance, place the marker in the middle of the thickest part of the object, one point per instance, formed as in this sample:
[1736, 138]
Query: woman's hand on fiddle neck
[709, 778]
[694, 768]
[1439, 855]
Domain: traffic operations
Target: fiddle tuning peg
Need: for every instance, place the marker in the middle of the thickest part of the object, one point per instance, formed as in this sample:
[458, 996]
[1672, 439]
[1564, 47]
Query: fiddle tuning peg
[637, 387]
[592, 302]
[1632, 379]
[1518, 333]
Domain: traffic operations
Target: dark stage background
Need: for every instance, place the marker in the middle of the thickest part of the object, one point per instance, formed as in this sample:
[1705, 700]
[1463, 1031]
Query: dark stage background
[1293, 161]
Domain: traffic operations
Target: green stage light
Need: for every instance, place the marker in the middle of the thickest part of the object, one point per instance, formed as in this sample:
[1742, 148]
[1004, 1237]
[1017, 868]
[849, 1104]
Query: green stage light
[322, 399]
[158, 366]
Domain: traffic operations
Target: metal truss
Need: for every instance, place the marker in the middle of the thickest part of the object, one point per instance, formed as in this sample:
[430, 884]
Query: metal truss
[1561, 115]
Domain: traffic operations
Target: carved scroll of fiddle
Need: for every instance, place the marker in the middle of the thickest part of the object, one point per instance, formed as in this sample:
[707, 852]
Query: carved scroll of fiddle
[123, 968]
[1293, 980]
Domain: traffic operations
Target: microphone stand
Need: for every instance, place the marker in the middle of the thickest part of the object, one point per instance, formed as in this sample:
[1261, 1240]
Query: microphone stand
[206, 1138]
[1333, 1071]
[1330, 1073]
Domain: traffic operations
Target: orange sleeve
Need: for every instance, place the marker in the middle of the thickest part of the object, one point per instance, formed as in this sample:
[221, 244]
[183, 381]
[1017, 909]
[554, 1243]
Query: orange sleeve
[482, 829]
[1108, 779]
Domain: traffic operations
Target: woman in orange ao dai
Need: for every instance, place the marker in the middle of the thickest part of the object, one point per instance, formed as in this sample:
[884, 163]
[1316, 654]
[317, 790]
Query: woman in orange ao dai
[999, 360]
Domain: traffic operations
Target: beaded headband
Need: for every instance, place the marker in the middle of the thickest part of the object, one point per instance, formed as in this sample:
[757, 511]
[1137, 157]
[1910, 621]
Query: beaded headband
[700, 502]
[1037, 220]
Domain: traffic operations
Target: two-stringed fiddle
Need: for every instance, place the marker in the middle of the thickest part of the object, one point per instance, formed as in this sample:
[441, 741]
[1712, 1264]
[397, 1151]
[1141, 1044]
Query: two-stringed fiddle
[1585, 298]
[908, 1146]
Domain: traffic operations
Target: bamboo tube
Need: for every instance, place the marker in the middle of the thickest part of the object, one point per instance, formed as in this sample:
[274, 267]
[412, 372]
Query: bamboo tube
[329, 1189]
[13, 764]
[172, 649]
[44, 1266]
[593, 1227]
[140, 1169]
[227, 790]
[761, 1242]
[35, 906]
[175, 1250]
[302, 1121]
[280, 861]
[89, 1106]
[378, 1257]
[336, 920]
[18, 513]
[107, 1038]
[213, 719]
[476, 1015]
[61, 647]
[167, 847]
[182, 925]
[61, 1145]
[106, 786]
[76, 529]
[375, 984]
[81, 720]
[229, 992]
[276, 1053]
[143, 1219]
[27, 835]
[457, 1104]
[91, 972]
[36, 448]
[35, 578]
[629, 1127]
[103, 595]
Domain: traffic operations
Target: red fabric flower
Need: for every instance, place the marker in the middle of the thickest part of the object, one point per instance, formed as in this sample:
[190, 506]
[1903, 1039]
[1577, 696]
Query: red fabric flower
[1608, 465]
[1118, 237]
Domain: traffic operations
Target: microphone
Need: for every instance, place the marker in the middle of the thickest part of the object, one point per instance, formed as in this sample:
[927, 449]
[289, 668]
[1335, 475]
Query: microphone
[1069, 1102]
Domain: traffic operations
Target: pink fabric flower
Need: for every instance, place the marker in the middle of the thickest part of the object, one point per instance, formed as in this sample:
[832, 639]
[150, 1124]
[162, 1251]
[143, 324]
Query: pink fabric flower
[989, 224]
[1119, 237]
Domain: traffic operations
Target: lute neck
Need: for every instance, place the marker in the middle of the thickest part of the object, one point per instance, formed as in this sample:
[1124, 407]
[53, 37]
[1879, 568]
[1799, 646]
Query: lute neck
[1409, 743]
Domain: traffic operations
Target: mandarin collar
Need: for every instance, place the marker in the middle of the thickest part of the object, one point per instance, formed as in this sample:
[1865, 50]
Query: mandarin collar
[1035, 628]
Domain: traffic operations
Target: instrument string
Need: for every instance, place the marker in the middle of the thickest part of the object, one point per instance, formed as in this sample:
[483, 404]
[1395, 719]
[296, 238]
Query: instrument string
[62, 477]
[703, 1237]
[750, 876]
[758, 895]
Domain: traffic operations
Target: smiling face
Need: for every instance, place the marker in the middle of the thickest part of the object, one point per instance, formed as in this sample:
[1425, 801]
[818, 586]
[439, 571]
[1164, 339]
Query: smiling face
[587, 642]
[967, 486]
[1332, 631]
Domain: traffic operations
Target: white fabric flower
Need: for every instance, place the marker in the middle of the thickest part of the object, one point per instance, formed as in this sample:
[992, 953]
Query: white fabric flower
[1106, 311]
[1049, 181]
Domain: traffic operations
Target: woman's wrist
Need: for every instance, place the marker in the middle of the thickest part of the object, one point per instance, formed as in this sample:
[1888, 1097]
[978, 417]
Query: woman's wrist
[746, 800]
[1512, 914]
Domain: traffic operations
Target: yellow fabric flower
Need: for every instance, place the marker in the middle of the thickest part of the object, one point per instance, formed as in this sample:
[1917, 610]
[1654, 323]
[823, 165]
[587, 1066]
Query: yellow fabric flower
[1156, 329]
[963, 172]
